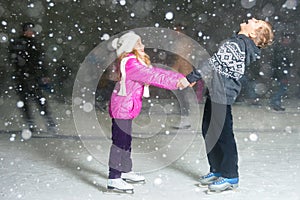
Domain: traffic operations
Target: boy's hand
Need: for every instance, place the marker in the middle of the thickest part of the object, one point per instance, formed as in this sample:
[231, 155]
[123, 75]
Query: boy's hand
[192, 84]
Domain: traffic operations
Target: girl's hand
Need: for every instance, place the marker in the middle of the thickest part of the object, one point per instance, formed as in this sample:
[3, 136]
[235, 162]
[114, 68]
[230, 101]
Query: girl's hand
[183, 83]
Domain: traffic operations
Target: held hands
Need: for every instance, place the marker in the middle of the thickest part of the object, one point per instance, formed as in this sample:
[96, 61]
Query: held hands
[183, 83]
[192, 84]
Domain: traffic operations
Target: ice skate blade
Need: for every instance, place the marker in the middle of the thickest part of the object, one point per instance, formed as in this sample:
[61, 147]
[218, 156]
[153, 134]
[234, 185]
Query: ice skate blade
[226, 191]
[181, 127]
[111, 190]
[134, 182]
[201, 185]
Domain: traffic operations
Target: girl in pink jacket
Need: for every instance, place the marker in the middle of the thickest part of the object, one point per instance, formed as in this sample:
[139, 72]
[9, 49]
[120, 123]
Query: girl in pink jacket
[126, 103]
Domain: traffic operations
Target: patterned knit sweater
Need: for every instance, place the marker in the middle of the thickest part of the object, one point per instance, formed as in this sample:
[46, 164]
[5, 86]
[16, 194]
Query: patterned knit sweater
[223, 70]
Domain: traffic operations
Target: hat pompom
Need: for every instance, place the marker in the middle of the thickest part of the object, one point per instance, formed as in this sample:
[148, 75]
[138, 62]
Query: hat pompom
[114, 43]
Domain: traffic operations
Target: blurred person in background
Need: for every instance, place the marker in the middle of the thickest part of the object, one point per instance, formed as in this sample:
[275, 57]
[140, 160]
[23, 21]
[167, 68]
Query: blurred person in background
[184, 67]
[105, 87]
[281, 64]
[30, 76]
[248, 93]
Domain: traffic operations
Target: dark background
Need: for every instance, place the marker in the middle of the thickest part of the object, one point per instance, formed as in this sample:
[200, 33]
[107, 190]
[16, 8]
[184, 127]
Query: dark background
[74, 27]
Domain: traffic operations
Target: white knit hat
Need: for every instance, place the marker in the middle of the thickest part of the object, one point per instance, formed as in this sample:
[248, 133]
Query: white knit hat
[125, 43]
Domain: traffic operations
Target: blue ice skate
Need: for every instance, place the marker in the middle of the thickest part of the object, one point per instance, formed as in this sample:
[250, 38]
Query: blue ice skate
[222, 184]
[209, 178]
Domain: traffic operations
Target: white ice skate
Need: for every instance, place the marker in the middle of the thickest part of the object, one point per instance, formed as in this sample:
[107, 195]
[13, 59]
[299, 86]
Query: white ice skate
[132, 177]
[119, 185]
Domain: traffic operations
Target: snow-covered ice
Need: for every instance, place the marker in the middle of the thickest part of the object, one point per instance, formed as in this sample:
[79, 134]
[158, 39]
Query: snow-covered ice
[60, 167]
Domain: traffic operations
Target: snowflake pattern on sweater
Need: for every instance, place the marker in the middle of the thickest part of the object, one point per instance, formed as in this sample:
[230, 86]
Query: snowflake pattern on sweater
[229, 60]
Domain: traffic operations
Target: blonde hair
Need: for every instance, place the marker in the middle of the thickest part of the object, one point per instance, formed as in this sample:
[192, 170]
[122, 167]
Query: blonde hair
[264, 35]
[145, 58]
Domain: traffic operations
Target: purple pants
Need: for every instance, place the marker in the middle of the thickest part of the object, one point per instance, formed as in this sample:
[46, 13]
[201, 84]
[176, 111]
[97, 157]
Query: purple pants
[120, 151]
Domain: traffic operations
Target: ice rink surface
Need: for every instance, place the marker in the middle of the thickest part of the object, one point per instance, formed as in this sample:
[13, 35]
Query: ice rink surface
[60, 167]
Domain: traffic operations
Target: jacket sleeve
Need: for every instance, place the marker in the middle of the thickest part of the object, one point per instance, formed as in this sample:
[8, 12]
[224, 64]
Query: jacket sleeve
[155, 76]
[202, 71]
[194, 76]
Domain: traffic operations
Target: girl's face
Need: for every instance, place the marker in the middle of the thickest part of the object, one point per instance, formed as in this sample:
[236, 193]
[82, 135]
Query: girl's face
[139, 46]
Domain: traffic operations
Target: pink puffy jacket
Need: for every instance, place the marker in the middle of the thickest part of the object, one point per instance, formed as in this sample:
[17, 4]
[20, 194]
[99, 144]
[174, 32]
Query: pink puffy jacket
[137, 74]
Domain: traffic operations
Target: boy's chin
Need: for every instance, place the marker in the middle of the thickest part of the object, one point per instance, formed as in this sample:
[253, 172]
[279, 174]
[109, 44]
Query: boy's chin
[243, 26]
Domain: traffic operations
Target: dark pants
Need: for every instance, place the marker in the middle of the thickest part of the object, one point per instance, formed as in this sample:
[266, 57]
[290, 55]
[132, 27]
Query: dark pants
[217, 129]
[30, 90]
[279, 93]
[120, 151]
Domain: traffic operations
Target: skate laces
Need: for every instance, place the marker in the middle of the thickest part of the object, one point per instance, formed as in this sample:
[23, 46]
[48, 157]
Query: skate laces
[119, 182]
[211, 174]
[132, 174]
[208, 175]
[220, 180]
[123, 183]
[136, 174]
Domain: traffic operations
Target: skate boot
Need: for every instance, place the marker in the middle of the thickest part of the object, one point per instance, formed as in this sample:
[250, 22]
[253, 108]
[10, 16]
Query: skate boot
[132, 177]
[222, 184]
[119, 185]
[51, 126]
[208, 178]
[31, 126]
[52, 129]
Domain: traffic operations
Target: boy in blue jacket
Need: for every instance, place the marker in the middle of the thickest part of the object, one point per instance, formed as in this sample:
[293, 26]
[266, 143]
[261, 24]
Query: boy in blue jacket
[221, 74]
